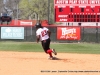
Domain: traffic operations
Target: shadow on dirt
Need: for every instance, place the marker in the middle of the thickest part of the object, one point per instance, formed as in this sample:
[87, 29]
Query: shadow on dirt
[61, 59]
[55, 58]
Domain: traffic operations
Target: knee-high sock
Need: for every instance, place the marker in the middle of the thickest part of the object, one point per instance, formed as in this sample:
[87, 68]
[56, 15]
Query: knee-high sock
[49, 52]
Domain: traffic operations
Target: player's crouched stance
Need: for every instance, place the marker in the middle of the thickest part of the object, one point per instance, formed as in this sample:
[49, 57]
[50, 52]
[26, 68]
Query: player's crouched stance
[43, 34]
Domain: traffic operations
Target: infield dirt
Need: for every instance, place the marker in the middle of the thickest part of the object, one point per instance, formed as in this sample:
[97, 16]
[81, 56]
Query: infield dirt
[35, 63]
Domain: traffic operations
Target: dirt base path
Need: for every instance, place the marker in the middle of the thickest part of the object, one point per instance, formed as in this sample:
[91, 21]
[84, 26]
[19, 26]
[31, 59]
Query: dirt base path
[31, 63]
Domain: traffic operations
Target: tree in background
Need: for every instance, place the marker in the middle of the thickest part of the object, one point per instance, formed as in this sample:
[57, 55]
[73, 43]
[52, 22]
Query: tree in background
[36, 9]
[1, 6]
[29, 9]
[9, 6]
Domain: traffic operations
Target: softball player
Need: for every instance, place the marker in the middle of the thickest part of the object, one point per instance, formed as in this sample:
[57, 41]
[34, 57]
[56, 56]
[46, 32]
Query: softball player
[43, 34]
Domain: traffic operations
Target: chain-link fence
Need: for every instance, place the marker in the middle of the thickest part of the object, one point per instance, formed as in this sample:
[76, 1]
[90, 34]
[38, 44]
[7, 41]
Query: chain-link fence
[88, 34]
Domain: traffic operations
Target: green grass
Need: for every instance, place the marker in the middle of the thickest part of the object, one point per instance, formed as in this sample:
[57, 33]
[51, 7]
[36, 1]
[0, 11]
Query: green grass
[85, 48]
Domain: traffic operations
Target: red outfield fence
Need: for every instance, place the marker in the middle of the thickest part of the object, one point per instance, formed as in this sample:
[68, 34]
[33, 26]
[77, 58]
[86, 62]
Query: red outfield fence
[61, 33]
[24, 23]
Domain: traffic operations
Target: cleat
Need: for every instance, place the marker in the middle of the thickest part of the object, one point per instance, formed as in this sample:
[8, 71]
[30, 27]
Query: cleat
[53, 50]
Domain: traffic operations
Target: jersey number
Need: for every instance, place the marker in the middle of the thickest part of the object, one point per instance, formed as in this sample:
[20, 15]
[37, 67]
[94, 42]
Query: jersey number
[44, 33]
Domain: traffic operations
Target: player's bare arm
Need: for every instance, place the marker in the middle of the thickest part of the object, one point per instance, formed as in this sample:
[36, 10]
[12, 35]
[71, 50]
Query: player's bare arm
[49, 33]
[38, 38]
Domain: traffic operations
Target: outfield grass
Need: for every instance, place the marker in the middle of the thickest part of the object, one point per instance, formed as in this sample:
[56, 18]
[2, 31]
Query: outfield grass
[86, 48]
